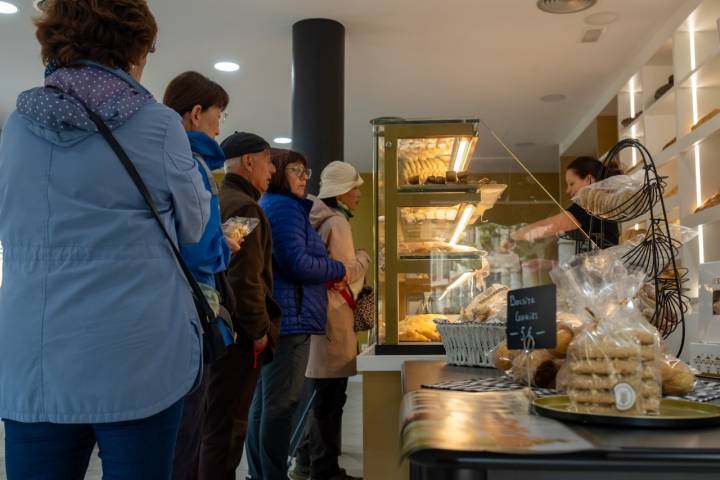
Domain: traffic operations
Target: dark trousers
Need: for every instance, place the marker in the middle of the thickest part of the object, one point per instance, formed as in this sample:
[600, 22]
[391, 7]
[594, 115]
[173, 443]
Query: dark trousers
[187, 450]
[321, 443]
[231, 385]
[275, 401]
[138, 449]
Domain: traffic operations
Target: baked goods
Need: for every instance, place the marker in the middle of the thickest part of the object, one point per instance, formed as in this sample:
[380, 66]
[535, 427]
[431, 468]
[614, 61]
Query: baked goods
[485, 305]
[705, 119]
[424, 157]
[426, 248]
[564, 337]
[451, 176]
[543, 368]
[503, 358]
[608, 197]
[237, 228]
[613, 368]
[677, 377]
[462, 177]
[420, 328]
[711, 201]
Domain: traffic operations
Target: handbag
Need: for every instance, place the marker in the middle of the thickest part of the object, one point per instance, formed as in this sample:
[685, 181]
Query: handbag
[363, 308]
[217, 330]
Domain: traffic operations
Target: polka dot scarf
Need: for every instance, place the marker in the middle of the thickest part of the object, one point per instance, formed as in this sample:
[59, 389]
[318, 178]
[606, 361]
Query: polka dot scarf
[53, 106]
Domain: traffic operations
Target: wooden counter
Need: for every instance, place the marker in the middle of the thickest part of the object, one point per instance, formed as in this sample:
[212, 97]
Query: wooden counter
[630, 453]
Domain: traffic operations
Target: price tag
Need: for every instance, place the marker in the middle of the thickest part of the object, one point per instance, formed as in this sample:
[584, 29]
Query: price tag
[531, 318]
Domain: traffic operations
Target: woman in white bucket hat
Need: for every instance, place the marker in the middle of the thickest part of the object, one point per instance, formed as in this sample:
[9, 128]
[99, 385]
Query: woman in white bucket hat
[332, 356]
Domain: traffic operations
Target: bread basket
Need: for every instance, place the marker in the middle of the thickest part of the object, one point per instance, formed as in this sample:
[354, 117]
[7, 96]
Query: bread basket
[470, 343]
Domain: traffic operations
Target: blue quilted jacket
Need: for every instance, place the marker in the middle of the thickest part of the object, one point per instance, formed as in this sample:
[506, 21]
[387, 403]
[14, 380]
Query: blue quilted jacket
[301, 265]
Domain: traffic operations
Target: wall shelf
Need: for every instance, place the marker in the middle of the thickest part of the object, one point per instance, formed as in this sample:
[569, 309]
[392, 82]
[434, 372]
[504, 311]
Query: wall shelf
[703, 217]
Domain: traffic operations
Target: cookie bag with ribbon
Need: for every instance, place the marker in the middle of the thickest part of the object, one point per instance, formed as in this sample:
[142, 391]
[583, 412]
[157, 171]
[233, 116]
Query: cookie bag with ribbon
[612, 365]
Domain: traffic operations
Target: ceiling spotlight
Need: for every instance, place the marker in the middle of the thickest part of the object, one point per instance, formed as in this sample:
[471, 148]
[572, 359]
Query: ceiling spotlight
[227, 66]
[39, 4]
[565, 6]
[602, 18]
[7, 8]
[553, 98]
[282, 140]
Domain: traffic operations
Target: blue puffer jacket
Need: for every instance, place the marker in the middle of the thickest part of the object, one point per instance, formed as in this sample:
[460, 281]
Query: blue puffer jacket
[301, 265]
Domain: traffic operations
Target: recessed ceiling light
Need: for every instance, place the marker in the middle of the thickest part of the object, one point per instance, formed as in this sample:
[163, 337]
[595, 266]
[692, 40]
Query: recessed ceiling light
[553, 98]
[602, 18]
[39, 4]
[7, 8]
[227, 66]
[565, 6]
[282, 140]
[525, 144]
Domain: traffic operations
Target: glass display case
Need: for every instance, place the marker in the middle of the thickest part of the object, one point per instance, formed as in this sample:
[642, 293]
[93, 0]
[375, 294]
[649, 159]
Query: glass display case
[449, 197]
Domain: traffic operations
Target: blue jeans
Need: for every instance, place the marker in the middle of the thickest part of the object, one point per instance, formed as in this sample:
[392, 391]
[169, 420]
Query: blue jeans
[276, 398]
[137, 449]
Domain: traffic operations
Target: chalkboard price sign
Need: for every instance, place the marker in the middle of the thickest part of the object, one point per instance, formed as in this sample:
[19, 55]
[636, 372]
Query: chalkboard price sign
[531, 319]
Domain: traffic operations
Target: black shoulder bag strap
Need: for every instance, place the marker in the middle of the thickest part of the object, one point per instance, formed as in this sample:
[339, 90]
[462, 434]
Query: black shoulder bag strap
[213, 342]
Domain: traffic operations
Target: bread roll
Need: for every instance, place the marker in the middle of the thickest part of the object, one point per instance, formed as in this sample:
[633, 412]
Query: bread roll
[677, 377]
[504, 357]
[543, 369]
[564, 337]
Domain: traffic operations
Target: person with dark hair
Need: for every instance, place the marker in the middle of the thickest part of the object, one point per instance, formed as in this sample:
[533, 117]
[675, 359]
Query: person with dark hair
[333, 355]
[232, 379]
[301, 271]
[200, 102]
[100, 339]
[604, 233]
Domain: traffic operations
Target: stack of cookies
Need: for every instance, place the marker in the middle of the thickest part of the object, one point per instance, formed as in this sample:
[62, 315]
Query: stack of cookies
[615, 373]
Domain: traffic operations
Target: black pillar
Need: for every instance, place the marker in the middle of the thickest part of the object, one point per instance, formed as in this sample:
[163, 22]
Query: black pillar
[318, 93]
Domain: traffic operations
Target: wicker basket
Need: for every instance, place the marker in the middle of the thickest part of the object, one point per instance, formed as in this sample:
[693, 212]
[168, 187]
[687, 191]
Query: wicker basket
[470, 343]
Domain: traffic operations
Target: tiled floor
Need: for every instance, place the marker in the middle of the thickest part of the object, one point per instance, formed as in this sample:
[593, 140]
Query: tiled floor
[351, 459]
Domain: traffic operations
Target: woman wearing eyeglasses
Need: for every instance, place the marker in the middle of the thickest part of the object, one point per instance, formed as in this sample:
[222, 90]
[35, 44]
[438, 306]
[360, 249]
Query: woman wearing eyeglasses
[302, 270]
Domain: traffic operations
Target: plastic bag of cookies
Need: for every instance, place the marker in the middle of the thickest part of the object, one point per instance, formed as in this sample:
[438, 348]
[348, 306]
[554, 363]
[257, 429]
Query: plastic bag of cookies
[237, 228]
[607, 197]
[612, 364]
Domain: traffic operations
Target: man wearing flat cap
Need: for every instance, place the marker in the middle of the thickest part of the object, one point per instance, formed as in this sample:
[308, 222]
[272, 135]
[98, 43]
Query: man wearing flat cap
[257, 320]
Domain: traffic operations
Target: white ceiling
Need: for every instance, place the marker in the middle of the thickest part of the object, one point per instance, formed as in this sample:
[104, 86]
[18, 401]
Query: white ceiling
[409, 58]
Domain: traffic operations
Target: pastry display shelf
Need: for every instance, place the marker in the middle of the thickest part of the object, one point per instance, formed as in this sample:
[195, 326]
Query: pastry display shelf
[422, 265]
[665, 105]
[639, 126]
[705, 75]
[488, 195]
[703, 217]
[687, 142]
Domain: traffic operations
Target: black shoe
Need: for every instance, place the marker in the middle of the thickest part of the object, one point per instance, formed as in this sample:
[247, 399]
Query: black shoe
[342, 475]
[299, 472]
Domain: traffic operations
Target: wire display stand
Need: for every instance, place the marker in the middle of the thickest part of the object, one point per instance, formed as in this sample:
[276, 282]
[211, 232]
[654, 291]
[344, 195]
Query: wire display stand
[656, 253]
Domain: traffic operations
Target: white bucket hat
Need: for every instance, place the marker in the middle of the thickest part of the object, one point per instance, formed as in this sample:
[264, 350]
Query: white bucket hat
[338, 178]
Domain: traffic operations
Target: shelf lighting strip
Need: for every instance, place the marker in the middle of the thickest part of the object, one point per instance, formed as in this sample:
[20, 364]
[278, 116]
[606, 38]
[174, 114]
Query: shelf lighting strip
[462, 223]
[695, 116]
[633, 132]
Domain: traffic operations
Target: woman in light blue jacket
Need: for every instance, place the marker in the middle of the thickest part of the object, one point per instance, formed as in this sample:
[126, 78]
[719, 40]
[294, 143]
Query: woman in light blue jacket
[99, 337]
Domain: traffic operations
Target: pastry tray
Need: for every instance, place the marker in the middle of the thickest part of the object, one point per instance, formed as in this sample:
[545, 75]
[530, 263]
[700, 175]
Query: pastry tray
[442, 255]
[442, 187]
[673, 414]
